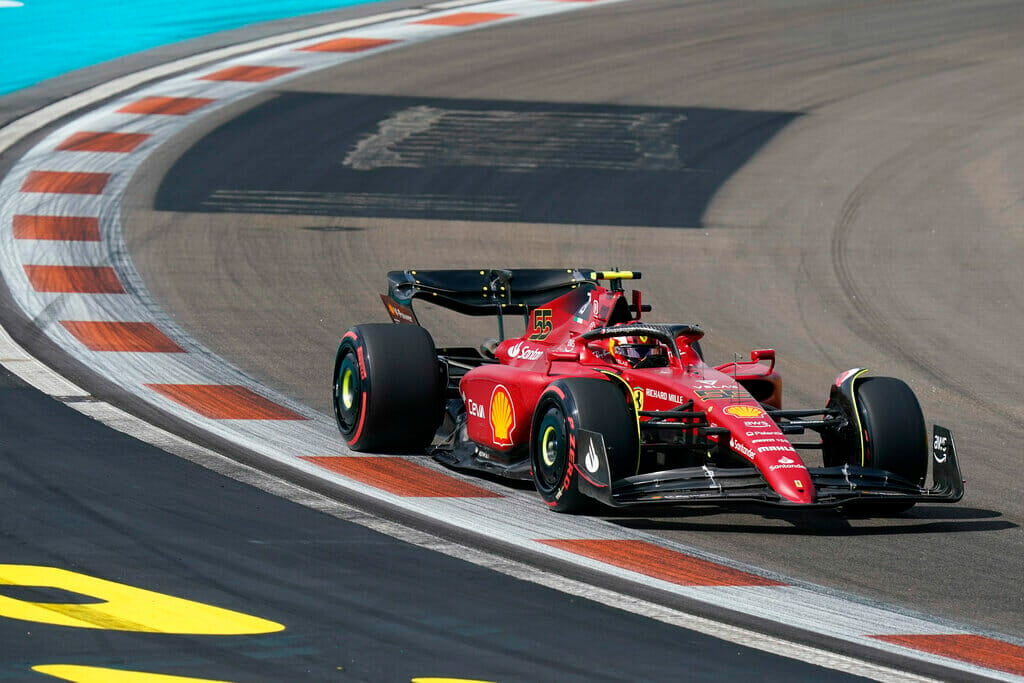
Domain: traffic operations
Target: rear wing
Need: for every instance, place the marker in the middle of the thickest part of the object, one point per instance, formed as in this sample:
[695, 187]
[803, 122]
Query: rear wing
[481, 291]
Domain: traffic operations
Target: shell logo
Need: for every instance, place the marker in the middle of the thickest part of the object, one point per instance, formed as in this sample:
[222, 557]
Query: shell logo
[503, 418]
[744, 411]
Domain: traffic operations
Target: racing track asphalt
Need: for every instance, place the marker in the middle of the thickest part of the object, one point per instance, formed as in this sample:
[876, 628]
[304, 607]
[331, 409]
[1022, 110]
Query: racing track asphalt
[355, 604]
[849, 194]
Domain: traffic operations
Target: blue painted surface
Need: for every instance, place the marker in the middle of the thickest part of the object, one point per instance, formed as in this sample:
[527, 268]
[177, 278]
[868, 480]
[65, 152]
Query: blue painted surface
[40, 39]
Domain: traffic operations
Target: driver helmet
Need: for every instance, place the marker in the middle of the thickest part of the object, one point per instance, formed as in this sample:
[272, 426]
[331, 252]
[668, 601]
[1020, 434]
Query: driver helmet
[634, 352]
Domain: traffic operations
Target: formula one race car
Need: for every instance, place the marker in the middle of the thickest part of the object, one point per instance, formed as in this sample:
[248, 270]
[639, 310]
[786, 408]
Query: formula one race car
[592, 403]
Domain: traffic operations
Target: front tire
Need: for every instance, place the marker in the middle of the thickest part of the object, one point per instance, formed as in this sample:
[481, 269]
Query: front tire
[565, 408]
[895, 437]
[388, 388]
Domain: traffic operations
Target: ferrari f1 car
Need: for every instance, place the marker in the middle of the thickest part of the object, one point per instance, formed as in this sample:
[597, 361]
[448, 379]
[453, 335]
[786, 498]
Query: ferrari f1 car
[594, 403]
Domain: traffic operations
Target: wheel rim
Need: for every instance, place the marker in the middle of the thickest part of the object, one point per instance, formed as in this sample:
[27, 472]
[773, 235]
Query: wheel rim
[552, 450]
[347, 394]
[549, 445]
[348, 397]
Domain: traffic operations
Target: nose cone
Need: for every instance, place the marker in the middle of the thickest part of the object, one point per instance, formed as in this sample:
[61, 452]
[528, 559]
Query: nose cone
[794, 485]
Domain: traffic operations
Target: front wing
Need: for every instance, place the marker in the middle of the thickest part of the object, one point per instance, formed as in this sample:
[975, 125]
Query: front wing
[834, 485]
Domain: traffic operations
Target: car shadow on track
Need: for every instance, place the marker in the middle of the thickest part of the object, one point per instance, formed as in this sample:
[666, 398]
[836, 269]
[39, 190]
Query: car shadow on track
[924, 520]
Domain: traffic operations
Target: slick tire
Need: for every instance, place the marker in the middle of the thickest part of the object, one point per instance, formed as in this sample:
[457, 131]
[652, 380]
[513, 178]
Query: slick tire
[896, 437]
[388, 390]
[566, 407]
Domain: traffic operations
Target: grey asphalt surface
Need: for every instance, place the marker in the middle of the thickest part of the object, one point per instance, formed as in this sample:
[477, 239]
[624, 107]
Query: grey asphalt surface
[843, 183]
[355, 605]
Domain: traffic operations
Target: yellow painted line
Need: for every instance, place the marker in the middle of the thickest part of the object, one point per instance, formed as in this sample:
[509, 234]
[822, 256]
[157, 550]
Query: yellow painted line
[95, 674]
[119, 607]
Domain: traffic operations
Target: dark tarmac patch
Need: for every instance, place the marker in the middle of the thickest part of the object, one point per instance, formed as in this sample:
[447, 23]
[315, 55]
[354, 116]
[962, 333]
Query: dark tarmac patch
[332, 228]
[401, 157]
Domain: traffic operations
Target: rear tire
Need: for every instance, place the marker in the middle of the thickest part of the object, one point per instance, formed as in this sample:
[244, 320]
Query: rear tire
[896, 438]
[566, 407]
[388, 388]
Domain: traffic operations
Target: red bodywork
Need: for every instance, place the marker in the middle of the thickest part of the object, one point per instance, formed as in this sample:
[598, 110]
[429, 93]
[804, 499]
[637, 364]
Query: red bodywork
[500, 398]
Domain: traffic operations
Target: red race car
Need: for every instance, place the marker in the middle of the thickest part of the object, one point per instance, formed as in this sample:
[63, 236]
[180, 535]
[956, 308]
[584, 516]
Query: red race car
[593, 403]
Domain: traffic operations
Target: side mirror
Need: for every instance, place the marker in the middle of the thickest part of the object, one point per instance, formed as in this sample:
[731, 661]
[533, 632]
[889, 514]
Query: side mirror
[758, 355]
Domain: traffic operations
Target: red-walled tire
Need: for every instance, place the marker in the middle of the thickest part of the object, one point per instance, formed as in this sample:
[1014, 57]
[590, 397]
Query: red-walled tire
[388, 390]
[567, 406]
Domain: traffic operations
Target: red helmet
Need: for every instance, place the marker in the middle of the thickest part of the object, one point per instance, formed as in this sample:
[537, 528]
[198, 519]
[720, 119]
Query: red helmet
[632, 352]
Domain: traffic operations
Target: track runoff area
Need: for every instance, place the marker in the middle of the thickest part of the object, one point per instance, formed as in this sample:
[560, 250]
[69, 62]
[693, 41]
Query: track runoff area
[62, 255]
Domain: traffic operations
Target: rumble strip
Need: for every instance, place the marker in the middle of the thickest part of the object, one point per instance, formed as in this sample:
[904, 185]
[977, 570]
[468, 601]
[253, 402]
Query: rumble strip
[63, 257]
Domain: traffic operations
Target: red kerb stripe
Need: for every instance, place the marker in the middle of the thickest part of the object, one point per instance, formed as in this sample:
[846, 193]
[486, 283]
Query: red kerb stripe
[464, 19]
[980, 650]
[349, 45]
[660, 563]
[85, 141]
[401, 477]
[121, 336]
[166, 106]
[224, 402]
[64, 182]
[249, 74]
[67, 228]
[74, 279]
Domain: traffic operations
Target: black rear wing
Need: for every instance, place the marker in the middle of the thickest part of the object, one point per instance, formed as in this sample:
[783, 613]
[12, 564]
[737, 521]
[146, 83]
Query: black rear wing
[482, 291]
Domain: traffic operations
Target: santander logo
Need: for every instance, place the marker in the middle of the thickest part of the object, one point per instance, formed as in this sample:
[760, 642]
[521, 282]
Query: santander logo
[524, 352]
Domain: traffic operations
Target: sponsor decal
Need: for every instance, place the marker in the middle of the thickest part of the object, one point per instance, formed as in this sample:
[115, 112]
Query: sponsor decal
[775, 449]
[940, 448]
[542, 324]
[638, 397]
[503, 417]
[361, 362]
[740, 448]
[398, 312]
[581, 313]
[721, 394]
[591, 465]
[570, 467]
[707, 383]
[523, 351]
[760, 424]
[799, 483]
[590, 460]
[786, 466]
[664, 395]
[475, 409]
[744, 411]
[776, 439]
